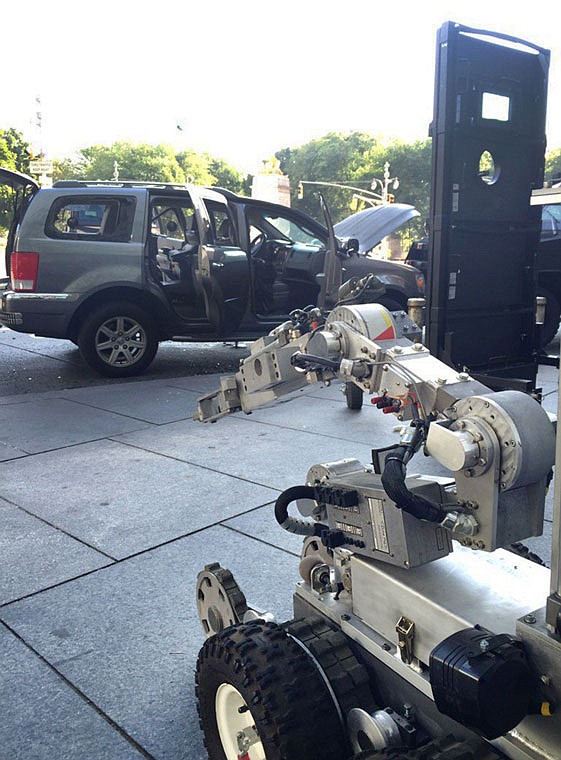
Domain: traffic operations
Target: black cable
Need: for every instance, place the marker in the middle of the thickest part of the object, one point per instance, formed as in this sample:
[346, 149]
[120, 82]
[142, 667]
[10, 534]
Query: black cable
[292, 524]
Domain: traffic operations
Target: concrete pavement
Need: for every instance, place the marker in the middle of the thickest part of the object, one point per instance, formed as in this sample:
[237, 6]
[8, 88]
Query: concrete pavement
[111, 500]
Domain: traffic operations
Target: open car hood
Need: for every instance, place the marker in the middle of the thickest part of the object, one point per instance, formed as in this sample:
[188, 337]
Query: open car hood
[16, 180]
[373, 224]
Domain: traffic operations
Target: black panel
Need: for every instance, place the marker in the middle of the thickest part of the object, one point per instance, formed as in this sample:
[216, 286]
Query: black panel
[490, 98]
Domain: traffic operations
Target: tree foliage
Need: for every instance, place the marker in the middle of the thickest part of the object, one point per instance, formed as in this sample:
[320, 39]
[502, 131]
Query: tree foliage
[357, 159]
[14, 155]
[553, 165]
[148, 163]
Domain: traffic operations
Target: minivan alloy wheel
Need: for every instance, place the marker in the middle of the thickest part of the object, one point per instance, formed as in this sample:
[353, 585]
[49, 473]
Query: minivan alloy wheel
[120, 341]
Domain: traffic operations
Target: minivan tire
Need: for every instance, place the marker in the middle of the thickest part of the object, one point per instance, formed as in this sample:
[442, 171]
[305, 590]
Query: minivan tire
[130, 328]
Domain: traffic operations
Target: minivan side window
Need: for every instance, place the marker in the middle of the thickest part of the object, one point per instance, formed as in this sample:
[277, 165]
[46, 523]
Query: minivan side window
[101, 218]
[222, 228]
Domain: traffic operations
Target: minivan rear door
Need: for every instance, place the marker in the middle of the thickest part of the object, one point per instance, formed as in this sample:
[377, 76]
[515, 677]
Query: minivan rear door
[14, 203]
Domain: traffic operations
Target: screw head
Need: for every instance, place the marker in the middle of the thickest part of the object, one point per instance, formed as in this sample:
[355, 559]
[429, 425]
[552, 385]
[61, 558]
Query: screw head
[530, 618]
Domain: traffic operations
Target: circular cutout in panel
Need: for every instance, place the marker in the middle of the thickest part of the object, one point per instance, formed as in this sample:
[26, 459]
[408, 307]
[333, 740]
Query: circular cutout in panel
[489, 171]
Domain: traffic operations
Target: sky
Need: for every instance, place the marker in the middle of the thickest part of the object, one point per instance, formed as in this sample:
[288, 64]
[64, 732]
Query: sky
[242, 79]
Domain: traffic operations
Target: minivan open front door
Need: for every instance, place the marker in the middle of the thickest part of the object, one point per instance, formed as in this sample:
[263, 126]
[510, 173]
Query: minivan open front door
[23, 189]
[222, 267]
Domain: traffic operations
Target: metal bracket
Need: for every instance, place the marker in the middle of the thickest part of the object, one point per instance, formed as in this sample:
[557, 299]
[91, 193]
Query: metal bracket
[405, 629]
[553, 614]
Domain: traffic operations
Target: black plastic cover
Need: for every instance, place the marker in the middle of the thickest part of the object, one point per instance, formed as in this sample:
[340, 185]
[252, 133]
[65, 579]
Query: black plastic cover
[481, 680]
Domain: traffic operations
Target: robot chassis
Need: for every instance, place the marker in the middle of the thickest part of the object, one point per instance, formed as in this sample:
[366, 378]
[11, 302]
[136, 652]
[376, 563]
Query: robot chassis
[415, 634]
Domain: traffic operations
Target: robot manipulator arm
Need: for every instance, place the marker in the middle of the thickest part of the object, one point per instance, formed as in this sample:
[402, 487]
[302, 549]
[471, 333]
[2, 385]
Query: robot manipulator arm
[498, 446]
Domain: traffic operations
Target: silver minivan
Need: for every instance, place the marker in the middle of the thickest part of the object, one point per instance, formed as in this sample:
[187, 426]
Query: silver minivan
[117, 267]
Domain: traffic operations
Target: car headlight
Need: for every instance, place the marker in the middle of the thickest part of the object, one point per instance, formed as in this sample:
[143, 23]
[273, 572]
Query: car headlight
[420, 278]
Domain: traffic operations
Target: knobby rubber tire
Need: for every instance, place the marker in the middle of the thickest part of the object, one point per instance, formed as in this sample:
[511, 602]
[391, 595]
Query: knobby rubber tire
[346, 675]
[91, 324]
[294, 713]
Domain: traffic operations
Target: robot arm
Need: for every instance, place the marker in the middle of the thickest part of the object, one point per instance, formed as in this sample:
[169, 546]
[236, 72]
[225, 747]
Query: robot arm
[498, 446]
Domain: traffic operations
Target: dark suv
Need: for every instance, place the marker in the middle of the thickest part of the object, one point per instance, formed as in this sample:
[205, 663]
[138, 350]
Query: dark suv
[118, 267]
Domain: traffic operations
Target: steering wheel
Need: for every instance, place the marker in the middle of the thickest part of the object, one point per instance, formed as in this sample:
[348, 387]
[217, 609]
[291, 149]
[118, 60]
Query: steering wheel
[257, 244]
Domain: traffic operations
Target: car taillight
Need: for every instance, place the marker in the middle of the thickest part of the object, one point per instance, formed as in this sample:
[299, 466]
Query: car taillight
[23, 270]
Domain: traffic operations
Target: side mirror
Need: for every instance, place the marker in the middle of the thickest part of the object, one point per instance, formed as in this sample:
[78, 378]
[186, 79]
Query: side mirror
[351, 246]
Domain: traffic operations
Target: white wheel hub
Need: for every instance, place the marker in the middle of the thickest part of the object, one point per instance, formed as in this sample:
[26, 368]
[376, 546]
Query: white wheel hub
[234, 718]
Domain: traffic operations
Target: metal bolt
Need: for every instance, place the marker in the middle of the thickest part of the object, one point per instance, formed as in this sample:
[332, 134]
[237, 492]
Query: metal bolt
[407, 385]
[345, 617]
[385, 368]
[407, 710]
[530, 619]
[441, 380]
[480, 544]
[482, 462]
[484, 645]
[417, 346]
[461, 425]
[468, 473]
[546, 680]
[397, 349]
[386, 647]
[502, 486]
[463, 377]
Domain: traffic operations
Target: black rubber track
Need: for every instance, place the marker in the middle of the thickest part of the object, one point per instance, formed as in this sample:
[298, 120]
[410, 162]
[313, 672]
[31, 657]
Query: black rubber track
[292, 708]
[330, 647]
[445, 748]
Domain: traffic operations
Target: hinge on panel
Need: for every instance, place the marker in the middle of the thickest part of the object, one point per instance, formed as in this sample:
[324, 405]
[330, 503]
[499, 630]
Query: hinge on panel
[405, 629]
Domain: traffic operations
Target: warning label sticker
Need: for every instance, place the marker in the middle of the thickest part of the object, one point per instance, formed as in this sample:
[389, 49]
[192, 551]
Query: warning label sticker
[379, 525]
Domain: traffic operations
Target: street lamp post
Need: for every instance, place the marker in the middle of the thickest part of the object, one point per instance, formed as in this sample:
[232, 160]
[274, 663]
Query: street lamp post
[385, 185]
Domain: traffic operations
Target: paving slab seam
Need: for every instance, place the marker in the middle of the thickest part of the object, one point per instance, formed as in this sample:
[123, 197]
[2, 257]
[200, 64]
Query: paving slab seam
[256, 538]
[195, 464]
[78, 443]
[39, 353]
[58, 528]
[120, 561]
[300, 430]
[121, 414]
[115, 726]
[54, 585]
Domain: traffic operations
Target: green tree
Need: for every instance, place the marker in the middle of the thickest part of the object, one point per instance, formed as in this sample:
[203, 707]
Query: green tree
[553, 165]
[14, 155]
[357, 159]
[333, 158]
[225, 175]
[156, 163]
